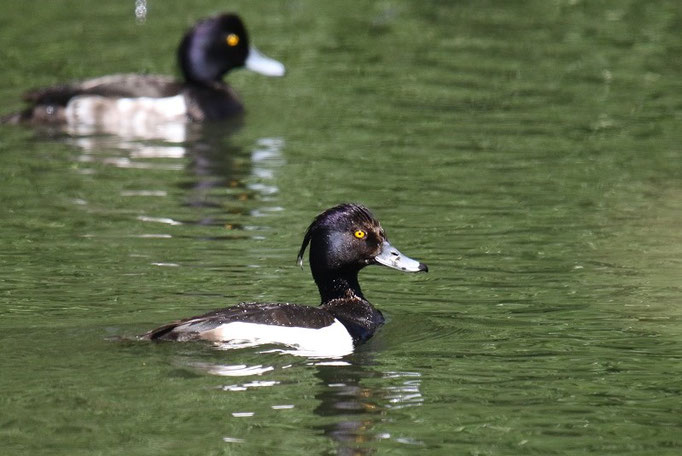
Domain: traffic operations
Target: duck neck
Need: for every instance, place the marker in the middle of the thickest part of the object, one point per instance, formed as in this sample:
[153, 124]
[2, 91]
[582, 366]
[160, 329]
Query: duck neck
[341, 285]
[342, 297]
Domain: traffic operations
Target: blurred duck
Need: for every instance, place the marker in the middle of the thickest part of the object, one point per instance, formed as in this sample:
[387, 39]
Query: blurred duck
[209, 50]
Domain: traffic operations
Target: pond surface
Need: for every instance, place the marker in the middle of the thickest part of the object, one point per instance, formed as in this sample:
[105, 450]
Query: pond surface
[528, 152]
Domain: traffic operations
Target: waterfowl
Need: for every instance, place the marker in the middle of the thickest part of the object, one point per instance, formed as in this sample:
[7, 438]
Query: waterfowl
[210, 49]
[343, 240]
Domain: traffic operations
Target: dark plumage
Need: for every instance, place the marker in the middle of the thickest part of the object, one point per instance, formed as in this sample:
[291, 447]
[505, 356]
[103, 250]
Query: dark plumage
[343, 240]
[209, 50]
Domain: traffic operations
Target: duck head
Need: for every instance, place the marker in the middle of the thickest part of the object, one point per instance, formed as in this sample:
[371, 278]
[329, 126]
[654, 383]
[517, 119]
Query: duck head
[343, 240]
[218, 44]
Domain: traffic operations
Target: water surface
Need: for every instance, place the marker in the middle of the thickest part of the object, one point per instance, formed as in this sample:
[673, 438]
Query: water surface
[528, 152]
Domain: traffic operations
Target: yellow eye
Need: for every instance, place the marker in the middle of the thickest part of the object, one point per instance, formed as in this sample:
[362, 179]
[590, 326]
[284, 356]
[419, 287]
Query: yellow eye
[360, 234]
[232, 40]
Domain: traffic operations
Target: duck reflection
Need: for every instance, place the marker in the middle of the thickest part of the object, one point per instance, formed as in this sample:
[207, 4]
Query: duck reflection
[248, 175]
[354, 399]
[207, 154]
[361, 407]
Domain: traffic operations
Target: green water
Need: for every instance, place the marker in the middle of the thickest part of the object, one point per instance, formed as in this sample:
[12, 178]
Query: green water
[528, 152]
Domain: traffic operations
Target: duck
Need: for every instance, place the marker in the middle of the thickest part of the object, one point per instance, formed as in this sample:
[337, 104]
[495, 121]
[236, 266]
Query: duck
[208, 50]
[342, 240]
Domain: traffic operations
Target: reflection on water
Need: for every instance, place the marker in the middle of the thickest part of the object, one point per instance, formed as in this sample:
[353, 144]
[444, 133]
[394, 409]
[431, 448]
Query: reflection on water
[360, 408]
[266, 157]
[107, 148]
[406, 394]
[356, 399]
[202, 150]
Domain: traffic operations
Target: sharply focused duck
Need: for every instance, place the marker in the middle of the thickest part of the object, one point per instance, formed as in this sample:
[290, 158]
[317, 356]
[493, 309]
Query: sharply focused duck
[209, 50]
[343, 240]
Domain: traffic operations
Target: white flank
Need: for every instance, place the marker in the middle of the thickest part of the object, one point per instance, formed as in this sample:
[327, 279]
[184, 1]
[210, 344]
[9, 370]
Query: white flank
[332, 341]
[143, 117]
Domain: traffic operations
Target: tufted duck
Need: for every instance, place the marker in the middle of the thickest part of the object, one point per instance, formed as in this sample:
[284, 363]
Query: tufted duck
[209, 50]
[343, 240]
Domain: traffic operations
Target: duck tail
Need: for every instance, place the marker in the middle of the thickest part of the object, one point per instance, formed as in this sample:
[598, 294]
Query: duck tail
[13, 118]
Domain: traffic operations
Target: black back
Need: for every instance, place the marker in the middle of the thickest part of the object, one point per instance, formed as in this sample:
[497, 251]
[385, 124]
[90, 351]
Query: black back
[278, 314]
